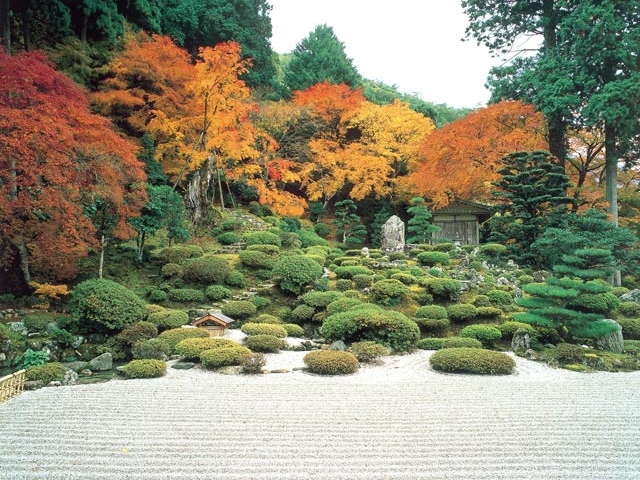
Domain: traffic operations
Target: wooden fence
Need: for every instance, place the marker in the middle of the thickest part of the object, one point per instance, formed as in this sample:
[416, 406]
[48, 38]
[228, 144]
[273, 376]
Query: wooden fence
[12, 385]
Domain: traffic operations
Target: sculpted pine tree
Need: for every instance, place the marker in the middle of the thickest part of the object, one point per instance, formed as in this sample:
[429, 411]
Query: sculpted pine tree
[419, 225]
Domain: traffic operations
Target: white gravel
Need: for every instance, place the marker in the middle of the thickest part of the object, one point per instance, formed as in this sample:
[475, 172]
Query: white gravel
[399, 420]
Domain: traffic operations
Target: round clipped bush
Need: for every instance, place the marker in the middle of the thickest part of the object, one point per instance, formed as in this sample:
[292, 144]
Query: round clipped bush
[185, 295]
[226, 356]
[472, 360]
[430, 343]
[175, 335]
[389, 292]
[342, 304]
[191, 348]
[630, 328]
[37, 322]
[293, 330]
[167, 319]
[405, 278]
[432, 311]
[239, 309]
[228, 238]
[595, 302]
[257, 259]
[138, 331]
[331, 362]
[175, 254]
[629, 309]
[368, 351]
[567, 353]
[343, 284]
[431, 259]
[433, 325]
[500, 298]
[266, 318]
[460, 342]
[144, 368]
[509, 328]
[303, 313]
[206, 270]
[320, 299]
[102, 303]
[442, 288]
[461, 312]
[294, 272]
[487, 334]
[362, 280]
[268, 249]
[46, 373]
[264, 343]
[489, 312]
[351, 271]
[156, 295]
[151, 348]
[172, 270]
[262, 238]
[252, 328]
[235, 279]
[493, 250]
[217, 292]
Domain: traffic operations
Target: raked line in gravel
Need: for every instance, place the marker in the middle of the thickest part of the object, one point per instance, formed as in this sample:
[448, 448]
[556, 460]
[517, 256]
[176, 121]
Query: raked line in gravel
[399, 420]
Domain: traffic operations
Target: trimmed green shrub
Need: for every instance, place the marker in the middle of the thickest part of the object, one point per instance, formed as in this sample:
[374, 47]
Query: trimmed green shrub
[481, 301]
[351, 271]
[191, 348]
[433, 325]
[226, 356]
[370, 322]
[37, 322]
[152, 348]
[343, 284]
[461, 312]
[266, 318]
[254, 364]
[264, 343]
[268, 249]
[500, 298]
[294, 272]
[404, 278]
[368, 351]
[595, 302]
[239, 309]
[630, 328]
[389, 292]
[293, 330]
[487, 334]
[138, 331]
[175, 254]
[101, 303]
[46, 373]
[228, 238]
[632, 347]
[264, 329]
[566, 353]
[303, 313]
[172, 270]
[320, 299]
[493, 250]
[310, 238]
[461, 342]
[257, 259]
[472, 360]
[489, 312]
[156, 295]
[444, 247]
[185, 295]
[431, 259]
[235, 279]
[629, 309]
[175, 335]
[442, 288]
[432, 311]
[262, 238]
[167, 319]
[331, 362]
[322, 229]
[206, 270]
[508, 329]
[217, 292]
[362, 281]
[430, 343]
[146, 368]
[342, 304]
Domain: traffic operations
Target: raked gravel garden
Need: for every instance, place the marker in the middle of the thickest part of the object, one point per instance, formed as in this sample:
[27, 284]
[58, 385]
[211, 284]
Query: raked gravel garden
[398, 419]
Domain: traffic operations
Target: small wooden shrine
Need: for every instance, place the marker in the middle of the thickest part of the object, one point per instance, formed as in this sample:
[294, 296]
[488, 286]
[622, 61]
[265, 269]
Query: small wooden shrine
[215, 322]
[460, 221]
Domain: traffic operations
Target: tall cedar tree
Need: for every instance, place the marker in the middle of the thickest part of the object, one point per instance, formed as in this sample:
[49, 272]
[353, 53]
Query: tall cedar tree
[55, 156]
[532, 197]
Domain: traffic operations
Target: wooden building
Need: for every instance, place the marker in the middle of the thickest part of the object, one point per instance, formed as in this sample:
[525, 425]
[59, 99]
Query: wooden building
[460, 221]
[215, 322]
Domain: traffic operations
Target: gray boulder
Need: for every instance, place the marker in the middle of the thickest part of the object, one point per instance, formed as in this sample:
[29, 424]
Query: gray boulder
[521, 342]
[613, 342]
[392, 235]
[632, 296]
[338, 345]
[101, 363]
[70, 378]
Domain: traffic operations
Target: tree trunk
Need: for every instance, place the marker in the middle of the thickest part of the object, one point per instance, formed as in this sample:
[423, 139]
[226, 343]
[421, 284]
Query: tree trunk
[5, 20]
[26, 30]
[83, 33]
[102, 245]
[611, 179]
[141, 239]
[23, 253]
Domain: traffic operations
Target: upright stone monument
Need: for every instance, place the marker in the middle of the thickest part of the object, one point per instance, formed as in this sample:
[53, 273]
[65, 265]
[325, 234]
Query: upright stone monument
[392, 235]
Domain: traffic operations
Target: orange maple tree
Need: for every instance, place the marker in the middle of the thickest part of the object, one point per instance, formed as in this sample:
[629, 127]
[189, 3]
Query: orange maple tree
[55, 157]
[460, 159]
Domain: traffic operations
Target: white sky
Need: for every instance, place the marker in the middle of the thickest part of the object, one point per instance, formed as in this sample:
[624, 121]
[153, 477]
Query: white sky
[413, 44]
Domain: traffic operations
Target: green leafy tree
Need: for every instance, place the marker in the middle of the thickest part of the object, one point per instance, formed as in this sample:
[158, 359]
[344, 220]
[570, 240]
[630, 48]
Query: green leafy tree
[573, 301]
[165, 209]
[532, 195]
[319, 57]
[348, 222]
[419, 225]
[147, 154]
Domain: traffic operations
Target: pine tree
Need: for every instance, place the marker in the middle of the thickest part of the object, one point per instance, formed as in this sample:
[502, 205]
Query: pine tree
[573, 301]
[419, 225]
